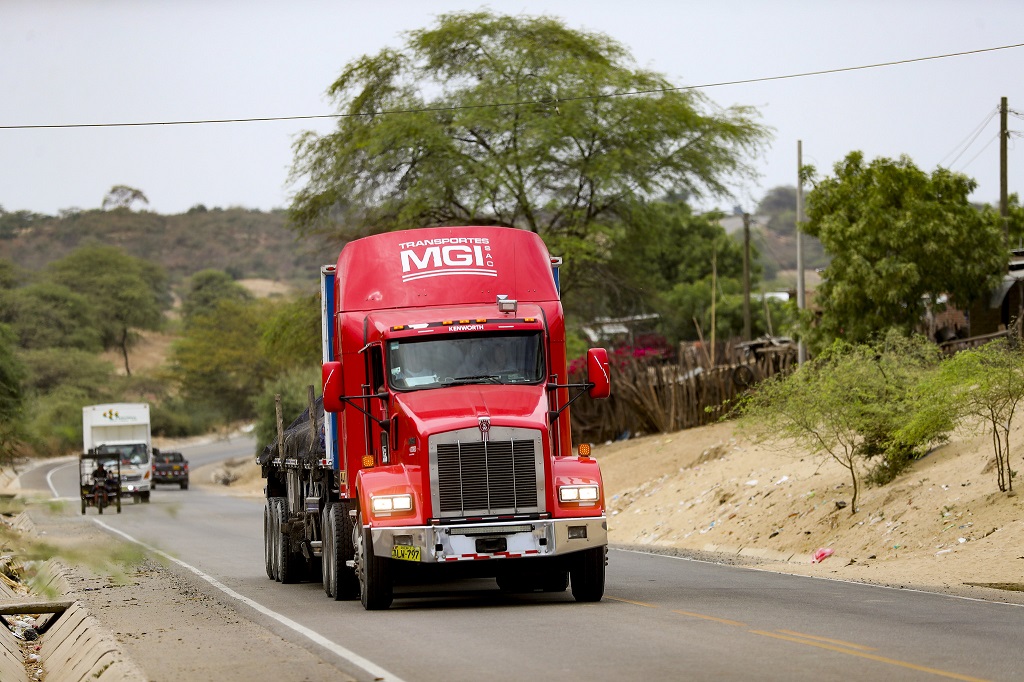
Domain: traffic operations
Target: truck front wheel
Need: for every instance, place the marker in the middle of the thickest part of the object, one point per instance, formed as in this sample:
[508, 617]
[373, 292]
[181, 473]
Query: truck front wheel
[586, 575]
[340, 582]
[375, 590]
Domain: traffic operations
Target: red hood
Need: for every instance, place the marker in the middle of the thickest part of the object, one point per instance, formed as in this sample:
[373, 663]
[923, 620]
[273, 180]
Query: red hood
[446, 409]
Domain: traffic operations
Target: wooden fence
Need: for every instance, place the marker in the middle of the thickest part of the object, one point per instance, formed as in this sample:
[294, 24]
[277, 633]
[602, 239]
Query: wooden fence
[652, 396]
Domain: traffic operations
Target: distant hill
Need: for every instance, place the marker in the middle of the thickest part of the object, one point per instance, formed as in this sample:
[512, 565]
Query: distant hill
[245, 243]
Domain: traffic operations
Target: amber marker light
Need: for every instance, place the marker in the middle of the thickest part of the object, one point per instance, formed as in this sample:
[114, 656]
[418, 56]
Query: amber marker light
[584, 450]
[367, 461]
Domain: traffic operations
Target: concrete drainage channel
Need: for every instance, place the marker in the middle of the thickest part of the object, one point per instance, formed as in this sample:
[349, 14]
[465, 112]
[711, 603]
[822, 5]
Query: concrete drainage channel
[65, 642]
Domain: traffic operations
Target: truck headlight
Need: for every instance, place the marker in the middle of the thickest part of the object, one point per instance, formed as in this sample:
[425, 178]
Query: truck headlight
[385, 504]
[578, 493]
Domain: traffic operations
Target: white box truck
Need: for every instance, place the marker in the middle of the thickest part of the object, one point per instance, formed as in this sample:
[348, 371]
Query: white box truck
[122, 430]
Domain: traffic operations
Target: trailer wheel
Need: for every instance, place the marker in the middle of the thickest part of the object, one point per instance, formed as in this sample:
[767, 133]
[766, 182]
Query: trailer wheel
[375, 589]
[274, 537]
[289, 568]
[268, 537]
[587, 574]
[340, 581]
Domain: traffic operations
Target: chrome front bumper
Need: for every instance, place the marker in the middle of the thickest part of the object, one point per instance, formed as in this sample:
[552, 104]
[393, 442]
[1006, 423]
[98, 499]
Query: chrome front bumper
[504, 540]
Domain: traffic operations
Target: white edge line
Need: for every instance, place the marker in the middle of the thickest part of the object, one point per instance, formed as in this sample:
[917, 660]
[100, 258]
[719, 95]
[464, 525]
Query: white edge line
[354, 658]
[49, 477]
[820, 577]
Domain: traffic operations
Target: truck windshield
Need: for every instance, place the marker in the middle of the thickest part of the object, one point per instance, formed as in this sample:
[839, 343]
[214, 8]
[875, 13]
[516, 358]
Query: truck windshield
[135, 453]
[447, 361]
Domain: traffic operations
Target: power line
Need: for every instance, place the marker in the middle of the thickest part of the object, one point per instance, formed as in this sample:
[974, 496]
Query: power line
[973, 135]
[554, 101]
[987, 144]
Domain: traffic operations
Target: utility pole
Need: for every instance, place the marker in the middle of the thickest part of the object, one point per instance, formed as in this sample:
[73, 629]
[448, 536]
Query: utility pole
[1004, 207]
[746, 277]
[800, 302]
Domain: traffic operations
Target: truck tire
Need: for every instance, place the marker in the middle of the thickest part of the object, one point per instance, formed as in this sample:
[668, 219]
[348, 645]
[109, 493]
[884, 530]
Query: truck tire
[555, 581]
[184, 485]
[375, 588]
[587, 574]
[340, 581]
[289, 563]
[145, 497]
[268, 537]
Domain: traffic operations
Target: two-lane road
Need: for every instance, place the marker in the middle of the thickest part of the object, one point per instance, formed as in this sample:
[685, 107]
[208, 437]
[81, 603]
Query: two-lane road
[662, 618]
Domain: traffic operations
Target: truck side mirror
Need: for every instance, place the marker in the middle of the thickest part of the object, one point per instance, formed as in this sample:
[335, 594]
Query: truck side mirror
[334, 388]
[598, 373]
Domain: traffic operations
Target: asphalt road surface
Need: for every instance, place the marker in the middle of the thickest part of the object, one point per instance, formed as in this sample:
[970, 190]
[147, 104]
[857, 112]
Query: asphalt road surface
[663, 618]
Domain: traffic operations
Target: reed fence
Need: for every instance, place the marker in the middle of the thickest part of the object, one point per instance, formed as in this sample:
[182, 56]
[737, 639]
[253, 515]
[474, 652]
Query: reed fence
[650, 395]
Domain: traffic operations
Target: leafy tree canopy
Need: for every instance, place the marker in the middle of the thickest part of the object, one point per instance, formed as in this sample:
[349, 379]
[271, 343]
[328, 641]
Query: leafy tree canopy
[527, 123]
[899, 239]
[291, 336]
[217, 361]
[206, 289]
[128, 293]
[50, 315]
[123, 196]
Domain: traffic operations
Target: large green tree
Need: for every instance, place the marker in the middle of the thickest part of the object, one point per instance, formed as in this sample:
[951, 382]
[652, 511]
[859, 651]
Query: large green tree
[127, 293]
[900, 240]
[217, 361]
[206, 289]
[519, 121]
[50, 315]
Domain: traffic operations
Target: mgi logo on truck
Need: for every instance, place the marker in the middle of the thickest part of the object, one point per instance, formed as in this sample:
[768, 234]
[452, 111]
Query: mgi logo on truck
[446, 256]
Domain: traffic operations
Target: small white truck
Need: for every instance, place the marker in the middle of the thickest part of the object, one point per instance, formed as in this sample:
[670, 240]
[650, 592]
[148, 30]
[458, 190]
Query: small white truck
[122, 430]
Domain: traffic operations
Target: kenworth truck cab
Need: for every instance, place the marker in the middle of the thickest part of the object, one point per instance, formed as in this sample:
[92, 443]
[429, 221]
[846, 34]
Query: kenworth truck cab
[442, 446]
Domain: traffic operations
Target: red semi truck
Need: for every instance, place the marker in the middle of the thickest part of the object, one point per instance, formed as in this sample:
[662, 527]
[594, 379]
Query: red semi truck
[442, 446]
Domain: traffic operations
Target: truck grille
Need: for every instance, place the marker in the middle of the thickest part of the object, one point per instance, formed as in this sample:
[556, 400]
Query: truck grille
[475, 477]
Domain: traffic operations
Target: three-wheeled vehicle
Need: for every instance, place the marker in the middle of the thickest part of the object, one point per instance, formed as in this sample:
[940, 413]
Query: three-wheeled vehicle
[100, 491]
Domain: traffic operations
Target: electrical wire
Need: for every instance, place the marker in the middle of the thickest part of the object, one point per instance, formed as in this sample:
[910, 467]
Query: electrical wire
[554, 101]
[987, 144]
[973, 135]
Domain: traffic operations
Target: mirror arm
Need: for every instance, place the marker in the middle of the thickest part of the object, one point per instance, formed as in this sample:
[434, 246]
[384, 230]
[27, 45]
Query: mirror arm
[348, 399]
[554, 414]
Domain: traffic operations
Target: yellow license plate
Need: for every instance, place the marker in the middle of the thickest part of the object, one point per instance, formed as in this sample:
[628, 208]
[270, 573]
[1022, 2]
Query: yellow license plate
[405, 553]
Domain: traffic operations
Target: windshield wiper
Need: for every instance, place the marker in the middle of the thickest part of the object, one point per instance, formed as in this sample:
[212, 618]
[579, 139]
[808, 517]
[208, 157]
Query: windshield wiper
[480, 378]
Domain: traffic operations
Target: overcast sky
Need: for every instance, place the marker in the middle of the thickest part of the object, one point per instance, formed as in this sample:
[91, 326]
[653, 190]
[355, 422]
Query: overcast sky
[92, 61]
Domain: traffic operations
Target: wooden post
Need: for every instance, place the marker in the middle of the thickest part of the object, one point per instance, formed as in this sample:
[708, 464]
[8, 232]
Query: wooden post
[280, 426]
[313, 431]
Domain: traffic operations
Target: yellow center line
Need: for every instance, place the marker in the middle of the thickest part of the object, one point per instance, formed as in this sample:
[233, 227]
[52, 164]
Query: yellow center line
[839, 642]
[872, 657]
[717, 620]
[630, 601]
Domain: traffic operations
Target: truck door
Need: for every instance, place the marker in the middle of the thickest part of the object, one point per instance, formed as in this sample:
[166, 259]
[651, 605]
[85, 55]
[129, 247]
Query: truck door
[377, 439]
